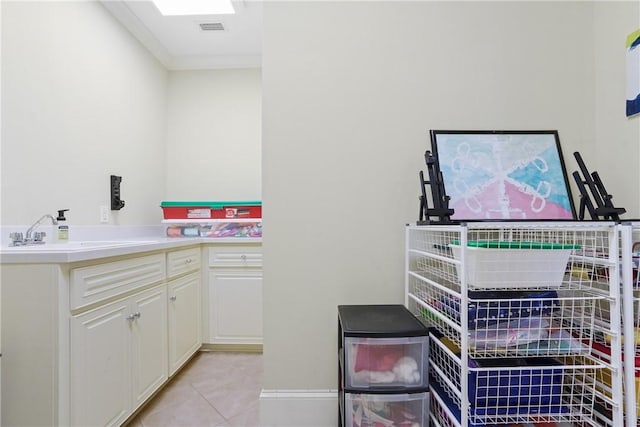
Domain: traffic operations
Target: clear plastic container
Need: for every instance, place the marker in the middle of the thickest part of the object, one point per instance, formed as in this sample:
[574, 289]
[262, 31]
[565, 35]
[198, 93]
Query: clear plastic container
[394, 363]
[369, 410]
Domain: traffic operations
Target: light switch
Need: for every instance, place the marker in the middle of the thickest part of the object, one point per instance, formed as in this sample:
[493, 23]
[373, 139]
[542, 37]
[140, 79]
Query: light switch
[104, 214]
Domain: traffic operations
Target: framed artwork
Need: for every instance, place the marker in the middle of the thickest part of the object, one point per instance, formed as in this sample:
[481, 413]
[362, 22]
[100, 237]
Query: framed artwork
[633, 73]
[503, 175]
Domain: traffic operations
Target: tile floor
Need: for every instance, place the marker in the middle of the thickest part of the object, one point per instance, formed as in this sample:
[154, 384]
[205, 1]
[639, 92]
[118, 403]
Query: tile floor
[217, 389]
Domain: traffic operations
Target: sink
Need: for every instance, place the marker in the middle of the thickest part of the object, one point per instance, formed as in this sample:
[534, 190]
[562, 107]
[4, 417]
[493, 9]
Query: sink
[100, 243]
[77, 245]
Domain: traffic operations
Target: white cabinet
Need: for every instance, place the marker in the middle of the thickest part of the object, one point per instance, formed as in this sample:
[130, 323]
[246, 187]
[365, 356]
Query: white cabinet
[118, 357]
[98, 283]
[235, 294]
[101, 360]
[236, 306]
[86, 343]
[149, 341]
[185, 336]
[118, 338]
[35, 359]
[183, 261]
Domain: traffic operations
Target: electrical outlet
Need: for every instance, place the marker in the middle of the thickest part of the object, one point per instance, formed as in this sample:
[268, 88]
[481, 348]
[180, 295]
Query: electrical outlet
[104, 214]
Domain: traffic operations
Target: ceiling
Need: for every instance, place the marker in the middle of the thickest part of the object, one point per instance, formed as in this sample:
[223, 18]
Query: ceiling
[195, 42]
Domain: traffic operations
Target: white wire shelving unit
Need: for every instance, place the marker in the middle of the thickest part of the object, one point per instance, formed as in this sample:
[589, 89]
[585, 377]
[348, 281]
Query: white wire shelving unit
[630, 278]
[629, 258]
[525, 321]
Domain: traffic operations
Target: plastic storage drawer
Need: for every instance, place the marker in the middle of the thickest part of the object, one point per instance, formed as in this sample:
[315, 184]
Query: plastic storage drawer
[373, 410]
[386, 362]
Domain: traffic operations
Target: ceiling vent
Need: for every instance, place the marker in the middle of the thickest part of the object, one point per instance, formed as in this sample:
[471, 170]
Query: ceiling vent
[211, 26]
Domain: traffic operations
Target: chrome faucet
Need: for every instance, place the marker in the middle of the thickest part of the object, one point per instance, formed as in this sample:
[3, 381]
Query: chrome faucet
[37, 223]
[18, 240]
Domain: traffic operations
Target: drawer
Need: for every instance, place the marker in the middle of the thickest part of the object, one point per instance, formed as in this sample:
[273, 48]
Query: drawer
[245, 256]
[390, 364]
[390, 409]
[99, 282]
[535, 385]
[183, 261]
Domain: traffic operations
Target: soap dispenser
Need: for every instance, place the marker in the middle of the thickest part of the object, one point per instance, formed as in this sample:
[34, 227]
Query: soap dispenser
[63, 229]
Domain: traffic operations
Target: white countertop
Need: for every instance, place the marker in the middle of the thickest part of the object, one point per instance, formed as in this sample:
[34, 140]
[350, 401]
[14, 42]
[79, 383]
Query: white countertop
[86, 250]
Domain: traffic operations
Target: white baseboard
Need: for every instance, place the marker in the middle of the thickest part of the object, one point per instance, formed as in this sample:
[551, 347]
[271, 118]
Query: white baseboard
[299, 408]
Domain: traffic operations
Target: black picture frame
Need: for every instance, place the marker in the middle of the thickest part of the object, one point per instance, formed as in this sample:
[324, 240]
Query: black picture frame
[504, 174]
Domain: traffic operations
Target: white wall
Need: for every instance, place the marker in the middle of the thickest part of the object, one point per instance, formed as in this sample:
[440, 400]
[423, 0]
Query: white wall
[81, 100]
[350, 91]
[214, 135]
[616, 151]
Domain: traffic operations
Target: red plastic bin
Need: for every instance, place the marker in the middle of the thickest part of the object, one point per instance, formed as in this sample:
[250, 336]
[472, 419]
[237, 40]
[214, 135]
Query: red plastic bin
[212, 210]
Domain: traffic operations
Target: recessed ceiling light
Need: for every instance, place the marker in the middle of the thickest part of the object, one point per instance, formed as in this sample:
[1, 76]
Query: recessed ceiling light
[194, 7]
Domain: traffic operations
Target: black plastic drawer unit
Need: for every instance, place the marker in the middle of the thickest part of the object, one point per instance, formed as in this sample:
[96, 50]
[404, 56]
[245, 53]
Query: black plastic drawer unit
[383, 365]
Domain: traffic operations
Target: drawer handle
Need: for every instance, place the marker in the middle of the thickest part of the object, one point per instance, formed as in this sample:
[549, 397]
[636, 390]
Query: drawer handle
[173, 298]
[243, 257]
[188, 261]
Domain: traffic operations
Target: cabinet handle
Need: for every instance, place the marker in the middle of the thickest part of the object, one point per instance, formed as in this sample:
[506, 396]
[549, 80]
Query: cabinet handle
[243, 257]
[173, 298]
[188, 261]
[133, 316]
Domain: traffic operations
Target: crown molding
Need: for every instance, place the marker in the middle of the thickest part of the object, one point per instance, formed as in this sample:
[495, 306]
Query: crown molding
[130, 21]
[123, 14]
[214, 62]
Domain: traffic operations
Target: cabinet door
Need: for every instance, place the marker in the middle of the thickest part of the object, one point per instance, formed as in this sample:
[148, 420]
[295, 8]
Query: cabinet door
[149, 342]
[235, 304]
[184, 319]
[101, 366]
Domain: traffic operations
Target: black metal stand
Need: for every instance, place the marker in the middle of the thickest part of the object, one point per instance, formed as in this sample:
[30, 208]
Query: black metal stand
[593, 196]
[440, 213]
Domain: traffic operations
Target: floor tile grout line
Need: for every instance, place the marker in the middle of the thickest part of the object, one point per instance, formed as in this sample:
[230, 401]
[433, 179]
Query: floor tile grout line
[209, 403]
[247, 370]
